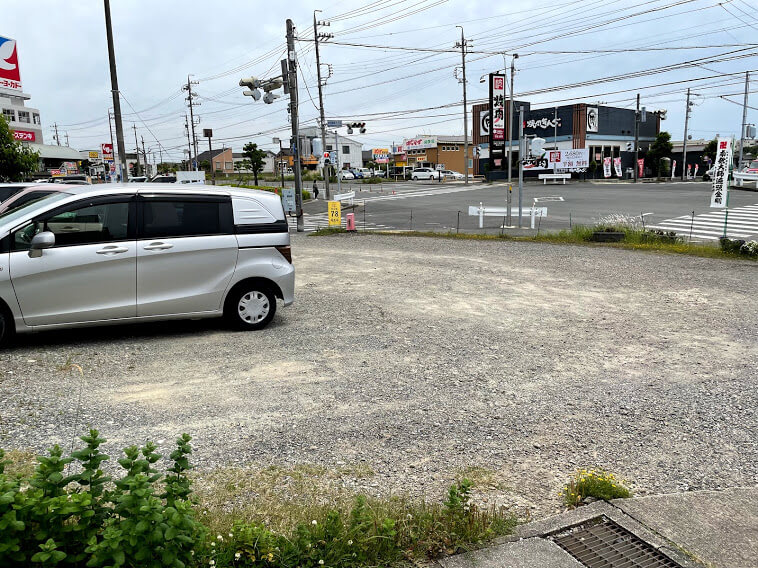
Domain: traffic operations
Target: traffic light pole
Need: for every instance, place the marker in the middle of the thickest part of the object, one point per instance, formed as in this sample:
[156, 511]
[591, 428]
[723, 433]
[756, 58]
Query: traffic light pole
[292, 79]
[321, 104]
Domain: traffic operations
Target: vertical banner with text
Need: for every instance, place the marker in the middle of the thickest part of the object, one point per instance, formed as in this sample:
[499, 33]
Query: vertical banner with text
[720, 194]
[641, 167]
[497, 120]
[617, 167]
[606, 167]
[673, 169]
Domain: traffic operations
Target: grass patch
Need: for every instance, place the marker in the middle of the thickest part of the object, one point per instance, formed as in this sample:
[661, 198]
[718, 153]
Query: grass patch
[481, 477]
[297, 516]
[327, 231]
[580, 235]
[598, 484]
[20, 462]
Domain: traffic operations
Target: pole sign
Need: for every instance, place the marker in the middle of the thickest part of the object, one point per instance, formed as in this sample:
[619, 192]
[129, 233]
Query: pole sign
[288, 199]
[335, 214]
[497, 122]
[10, 76]
[720, 175]
[380, 155]
[107, 151]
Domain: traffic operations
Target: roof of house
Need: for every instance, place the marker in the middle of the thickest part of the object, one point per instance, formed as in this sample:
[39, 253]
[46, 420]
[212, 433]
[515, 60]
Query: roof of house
[202, 156]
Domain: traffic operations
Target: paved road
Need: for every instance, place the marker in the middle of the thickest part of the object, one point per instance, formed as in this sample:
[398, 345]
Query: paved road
[434, 206]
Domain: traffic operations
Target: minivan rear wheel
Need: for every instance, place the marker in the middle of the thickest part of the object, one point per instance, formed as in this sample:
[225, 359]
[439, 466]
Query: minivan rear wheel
[250, 307]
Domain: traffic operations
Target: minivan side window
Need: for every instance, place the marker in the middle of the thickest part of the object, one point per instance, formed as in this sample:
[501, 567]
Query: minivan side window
[91, 224]
[164, 218]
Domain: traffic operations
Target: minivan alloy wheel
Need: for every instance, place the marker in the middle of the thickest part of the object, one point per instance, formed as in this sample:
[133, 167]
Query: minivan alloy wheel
[253, 307]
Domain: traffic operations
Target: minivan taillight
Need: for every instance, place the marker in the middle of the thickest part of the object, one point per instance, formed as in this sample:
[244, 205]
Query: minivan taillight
[286, 252]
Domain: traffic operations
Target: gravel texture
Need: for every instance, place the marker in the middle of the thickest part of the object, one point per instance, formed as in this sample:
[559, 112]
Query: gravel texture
[418, 357]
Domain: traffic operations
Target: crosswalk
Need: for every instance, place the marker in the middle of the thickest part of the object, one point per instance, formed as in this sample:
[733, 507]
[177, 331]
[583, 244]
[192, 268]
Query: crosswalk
[741, 223]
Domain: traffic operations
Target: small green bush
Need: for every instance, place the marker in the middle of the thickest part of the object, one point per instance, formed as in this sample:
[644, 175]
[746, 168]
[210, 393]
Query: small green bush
[598, 484]
[372, 180]
[88, 519]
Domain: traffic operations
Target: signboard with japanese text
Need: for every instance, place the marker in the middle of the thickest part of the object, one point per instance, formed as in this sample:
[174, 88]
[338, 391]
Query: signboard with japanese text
[542, 123]
[57, 173]
[10, 76]
[607, 167]
[288, 199]
[24, 135]
[94, 155]
[335, 214]
[497, 104]
[107, 150]
[380, 155]
[720, 194]
[572, 160]
[617, 167]
[420, 143]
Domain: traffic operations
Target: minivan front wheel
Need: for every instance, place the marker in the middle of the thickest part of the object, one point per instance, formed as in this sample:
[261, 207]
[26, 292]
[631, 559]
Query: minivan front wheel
[251, 307]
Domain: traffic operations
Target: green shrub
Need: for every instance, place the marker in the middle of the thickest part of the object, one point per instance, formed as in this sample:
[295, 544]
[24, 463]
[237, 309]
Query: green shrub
[372, 180]
[83, 519]
[731, 246]
[598, 484]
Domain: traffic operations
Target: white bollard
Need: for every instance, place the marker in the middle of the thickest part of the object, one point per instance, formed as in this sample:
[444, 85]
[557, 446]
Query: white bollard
[481, 215]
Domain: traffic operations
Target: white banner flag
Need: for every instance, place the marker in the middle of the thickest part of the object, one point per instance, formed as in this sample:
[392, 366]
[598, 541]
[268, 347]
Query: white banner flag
[606, 167]
[617, 167]
[721, 172]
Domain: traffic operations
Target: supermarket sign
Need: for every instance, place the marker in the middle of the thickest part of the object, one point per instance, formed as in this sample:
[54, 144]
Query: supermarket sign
[24, 135]
[420, 143]
[10, 77]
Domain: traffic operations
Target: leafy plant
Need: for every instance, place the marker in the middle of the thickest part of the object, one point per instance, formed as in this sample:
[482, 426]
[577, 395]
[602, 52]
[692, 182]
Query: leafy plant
[750, 248]
[598, 484]
[16, 161]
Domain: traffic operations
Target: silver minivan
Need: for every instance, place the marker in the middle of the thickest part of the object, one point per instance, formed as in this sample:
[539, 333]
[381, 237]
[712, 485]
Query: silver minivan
[115, 253]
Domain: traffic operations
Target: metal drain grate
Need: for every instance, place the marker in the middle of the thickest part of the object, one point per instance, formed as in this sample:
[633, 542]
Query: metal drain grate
[601, 543]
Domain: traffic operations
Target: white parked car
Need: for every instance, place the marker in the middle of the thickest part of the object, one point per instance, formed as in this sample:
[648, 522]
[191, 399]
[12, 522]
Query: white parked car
[346, 174]
[452, 174]
[109, 254]
[424, 173]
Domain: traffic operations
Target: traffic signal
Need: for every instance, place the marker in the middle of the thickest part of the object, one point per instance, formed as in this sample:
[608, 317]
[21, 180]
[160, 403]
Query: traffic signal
[326, 158]
[360, 126]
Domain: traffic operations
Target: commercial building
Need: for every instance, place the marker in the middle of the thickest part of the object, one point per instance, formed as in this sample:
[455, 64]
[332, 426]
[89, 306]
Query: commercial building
[433, 150]
[605, 131]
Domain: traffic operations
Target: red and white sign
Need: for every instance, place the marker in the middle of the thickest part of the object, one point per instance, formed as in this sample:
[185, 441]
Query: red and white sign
[607, 167]
[673, 169]
[617, 167]
[57, 173]
[107, 151]
[421, 143]
[497, 116]
[574, 160]
[640, 167]
[24, 135]
[10, 77]
[720, 195]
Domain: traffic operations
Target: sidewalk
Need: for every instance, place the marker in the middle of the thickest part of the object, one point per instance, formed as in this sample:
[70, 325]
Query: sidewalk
[716, 529]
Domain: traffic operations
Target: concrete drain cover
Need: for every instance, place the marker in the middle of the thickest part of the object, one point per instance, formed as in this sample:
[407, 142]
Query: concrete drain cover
[601, 543]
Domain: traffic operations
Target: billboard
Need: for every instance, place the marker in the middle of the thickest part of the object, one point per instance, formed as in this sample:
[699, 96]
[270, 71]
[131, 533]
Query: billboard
[420, 143]
[24, 135]
[497, 104]
[573, 160]
[107, 151]
[10, 76]
[380, 155]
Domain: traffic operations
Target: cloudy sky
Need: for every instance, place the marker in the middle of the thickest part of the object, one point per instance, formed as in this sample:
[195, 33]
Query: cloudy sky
[63, 59]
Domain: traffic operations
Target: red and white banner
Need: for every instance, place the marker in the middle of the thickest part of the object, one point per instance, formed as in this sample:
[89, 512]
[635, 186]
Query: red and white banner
[673, 169]
[107, 151]
[720, 194]
[497, 116]
[689, 170]
[607, 167]
[696, 167]
[24, 135]
[641, 167]
[10, 76]
[617, 167]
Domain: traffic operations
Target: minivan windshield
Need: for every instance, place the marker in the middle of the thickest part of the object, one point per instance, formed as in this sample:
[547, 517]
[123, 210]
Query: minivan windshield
[19, 212]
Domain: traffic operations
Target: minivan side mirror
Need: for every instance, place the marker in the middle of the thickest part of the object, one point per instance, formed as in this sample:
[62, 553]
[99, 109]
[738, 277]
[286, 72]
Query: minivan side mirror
[40, 241]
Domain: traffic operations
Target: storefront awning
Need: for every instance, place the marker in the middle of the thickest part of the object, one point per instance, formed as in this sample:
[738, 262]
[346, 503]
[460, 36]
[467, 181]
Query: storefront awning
[55, 152]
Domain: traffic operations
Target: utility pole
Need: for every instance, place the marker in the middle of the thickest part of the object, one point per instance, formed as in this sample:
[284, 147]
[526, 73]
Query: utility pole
[144, 154]
[55, 127]
[321, 98]
[189, 143]
[136, 149]
[115, 92]
[509, 128]
[637, 139]
[292, 81]
[190, 94]
[521, 155]
[744, 118]
[684, 144]
[66, 135]
[463, 44]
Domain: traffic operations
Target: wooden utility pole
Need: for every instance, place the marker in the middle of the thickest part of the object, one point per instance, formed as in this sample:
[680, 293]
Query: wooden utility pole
[292, 83]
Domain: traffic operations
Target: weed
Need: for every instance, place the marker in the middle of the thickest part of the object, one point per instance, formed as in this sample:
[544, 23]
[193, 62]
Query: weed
[69, 366]
[596, 483]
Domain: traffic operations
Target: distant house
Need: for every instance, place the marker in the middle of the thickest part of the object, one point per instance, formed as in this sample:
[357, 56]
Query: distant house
[268, 161]
[222, 161]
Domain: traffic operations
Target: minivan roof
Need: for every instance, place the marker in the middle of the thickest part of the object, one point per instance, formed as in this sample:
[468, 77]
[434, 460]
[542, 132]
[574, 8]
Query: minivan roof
[77, 192]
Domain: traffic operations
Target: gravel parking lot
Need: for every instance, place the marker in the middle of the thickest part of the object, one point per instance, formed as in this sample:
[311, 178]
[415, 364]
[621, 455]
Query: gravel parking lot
[418, 357]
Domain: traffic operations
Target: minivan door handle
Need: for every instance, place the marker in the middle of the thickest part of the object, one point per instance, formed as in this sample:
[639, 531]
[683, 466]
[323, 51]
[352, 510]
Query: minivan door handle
[112, 250]
[158, 246]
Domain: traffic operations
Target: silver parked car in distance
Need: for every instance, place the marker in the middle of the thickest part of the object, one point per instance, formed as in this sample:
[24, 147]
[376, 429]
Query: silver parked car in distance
[109, 254]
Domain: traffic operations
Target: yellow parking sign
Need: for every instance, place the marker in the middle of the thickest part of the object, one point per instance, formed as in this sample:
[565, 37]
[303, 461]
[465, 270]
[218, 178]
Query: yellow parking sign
[335, 214]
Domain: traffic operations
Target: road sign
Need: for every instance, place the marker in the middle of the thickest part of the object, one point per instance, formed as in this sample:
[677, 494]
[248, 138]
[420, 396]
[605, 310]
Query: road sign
[207, 133]
[440, 167]
[335, 214]
[288, 199]
[334, 123]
